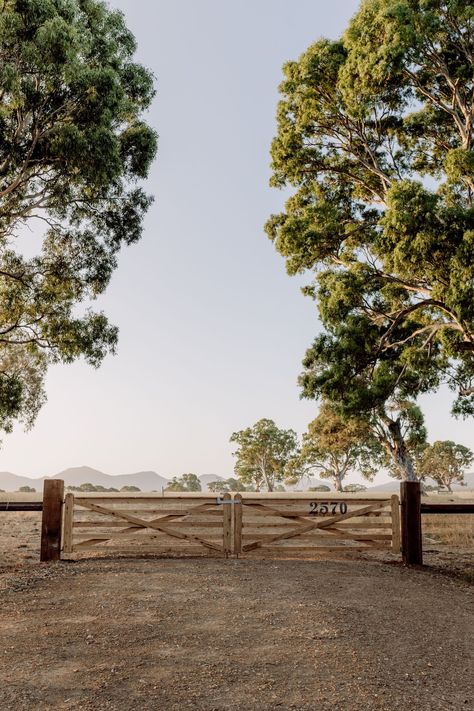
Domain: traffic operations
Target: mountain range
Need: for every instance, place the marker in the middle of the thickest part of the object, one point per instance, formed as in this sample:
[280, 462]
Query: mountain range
[75, 476]
[151, 481]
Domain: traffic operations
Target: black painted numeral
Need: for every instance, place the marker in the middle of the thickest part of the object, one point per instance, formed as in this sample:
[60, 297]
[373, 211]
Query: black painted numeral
[321, 508]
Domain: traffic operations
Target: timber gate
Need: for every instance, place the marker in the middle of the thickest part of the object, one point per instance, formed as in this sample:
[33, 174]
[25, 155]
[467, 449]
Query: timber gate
[243, 524]
[180, 524]
[305, 523]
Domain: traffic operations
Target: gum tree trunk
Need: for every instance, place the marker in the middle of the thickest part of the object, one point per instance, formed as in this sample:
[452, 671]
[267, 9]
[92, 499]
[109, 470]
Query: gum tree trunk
[400, 453]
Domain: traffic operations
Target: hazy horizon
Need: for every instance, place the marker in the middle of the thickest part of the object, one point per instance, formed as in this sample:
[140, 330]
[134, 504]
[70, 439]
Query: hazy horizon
[212, 330]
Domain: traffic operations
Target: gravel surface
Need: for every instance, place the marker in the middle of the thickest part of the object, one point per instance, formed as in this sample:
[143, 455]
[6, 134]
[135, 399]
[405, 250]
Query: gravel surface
[210, 634]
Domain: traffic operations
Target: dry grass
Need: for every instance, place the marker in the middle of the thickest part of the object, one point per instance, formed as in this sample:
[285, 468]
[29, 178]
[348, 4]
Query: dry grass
[449, 529]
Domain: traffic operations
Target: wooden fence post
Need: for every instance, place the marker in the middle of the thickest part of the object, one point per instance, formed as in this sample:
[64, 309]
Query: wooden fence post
[238, 513]
[227, 524]
[51, 524]
[412, 549]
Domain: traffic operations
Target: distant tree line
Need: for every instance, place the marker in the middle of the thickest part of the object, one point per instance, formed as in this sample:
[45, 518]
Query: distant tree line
[97, 487]
[334, 447]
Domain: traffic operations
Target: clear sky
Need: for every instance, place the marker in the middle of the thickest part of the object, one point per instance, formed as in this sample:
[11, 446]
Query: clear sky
[212, 330]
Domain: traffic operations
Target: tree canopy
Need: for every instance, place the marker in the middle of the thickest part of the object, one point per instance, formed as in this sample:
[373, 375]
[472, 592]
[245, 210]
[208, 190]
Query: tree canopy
[186, 482]
[375, 136]
[226, 485]
[263, 452]
[334, 447]
[445, 462]
[73, 145]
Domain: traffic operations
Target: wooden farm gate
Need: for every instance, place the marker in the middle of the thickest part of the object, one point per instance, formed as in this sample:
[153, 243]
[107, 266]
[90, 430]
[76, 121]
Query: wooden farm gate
[305, 523]
[167, 524]
[190, 524]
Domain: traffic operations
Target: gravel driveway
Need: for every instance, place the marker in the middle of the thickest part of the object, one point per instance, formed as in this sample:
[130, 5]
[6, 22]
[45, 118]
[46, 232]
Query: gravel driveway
[239, 634]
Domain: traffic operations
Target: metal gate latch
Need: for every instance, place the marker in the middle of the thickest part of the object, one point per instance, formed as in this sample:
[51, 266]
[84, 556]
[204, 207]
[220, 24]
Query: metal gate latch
[227, 501]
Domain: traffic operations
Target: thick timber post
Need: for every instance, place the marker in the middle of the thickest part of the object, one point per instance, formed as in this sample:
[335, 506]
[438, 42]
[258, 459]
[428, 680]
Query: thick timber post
[51, 524]
[412, 549]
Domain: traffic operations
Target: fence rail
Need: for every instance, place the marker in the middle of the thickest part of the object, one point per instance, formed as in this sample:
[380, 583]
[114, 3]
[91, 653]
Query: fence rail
[21, 505]
[447, 508]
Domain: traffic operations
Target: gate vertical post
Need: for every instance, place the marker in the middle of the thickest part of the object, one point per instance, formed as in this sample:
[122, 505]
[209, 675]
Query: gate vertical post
[51, 523]
[395, 507]
[412, 548]
[227, 524]
[238, 513]
[68, 522]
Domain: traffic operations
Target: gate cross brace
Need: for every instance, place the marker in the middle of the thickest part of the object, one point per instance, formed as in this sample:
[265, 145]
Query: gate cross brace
[305, 527]
[149, 524]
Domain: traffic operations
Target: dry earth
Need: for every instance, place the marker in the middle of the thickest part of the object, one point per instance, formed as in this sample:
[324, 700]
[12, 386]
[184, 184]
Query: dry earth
[207, 634]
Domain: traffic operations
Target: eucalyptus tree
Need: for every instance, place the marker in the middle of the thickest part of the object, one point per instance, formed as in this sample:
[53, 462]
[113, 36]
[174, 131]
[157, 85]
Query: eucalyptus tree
[186, 482]
[333, 448]
[73, 146]
[445, 462]
[375, 136]
[226, 485]
[263, 454]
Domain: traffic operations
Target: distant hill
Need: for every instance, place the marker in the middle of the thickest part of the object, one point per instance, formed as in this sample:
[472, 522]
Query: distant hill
[146, 481]
[394, 485]
[390, 486]
[75, 476]
[151, 481]
[12, 482]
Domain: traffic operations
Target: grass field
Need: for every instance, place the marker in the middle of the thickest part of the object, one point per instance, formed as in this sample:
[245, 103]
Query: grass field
[449, 529]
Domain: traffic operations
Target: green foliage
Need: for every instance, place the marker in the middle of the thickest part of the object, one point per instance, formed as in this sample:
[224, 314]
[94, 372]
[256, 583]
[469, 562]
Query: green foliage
[333, 447]
[375, 135]
[27, 489]
[226, 486]
[72, 146]
[92, 487]
[445, 462]
[130, 488]
[263, 453]
[354, 488]
[186, 482]
[322, 487]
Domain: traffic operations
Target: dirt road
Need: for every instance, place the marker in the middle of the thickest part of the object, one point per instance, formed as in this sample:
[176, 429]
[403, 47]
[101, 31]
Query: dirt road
[208, 635]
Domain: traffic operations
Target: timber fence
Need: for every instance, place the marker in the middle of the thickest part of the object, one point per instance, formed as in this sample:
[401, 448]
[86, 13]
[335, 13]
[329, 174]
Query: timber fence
[239, 525]
[412, 510]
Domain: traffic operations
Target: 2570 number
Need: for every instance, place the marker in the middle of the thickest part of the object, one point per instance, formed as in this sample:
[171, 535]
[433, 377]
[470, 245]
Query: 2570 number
[320, 508]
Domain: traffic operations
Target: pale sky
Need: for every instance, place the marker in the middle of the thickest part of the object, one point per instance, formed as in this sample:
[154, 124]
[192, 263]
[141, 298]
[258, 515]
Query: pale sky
[212, 330]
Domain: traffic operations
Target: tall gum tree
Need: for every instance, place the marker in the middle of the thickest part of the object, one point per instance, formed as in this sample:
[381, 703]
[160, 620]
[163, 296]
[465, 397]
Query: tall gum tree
[333, 447]
[445, 462]
[263, 453]
[73, 146]
[375, 136]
